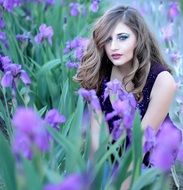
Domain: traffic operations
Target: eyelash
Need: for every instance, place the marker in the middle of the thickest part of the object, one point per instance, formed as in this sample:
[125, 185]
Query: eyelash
[108, 40]
[122, 38]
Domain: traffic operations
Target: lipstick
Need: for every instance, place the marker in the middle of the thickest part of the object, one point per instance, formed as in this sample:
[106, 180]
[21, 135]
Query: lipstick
[116, 56]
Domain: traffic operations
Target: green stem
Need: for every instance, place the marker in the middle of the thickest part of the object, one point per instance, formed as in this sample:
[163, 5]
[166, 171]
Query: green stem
[175, 177]
[9, 129]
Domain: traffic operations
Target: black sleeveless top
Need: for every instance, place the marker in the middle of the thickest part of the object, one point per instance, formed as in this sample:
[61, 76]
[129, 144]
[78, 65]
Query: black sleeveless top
[143, 105]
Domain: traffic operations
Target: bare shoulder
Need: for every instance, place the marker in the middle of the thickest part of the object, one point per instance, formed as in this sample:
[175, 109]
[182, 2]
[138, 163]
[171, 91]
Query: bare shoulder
[161, 97]
[165, 78]
[164, 83]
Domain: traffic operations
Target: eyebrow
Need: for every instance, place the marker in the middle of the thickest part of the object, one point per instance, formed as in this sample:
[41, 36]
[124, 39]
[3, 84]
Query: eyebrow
[122, 33]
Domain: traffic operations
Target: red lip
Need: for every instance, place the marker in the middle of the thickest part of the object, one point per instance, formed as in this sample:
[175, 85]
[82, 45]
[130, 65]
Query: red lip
[116, 56]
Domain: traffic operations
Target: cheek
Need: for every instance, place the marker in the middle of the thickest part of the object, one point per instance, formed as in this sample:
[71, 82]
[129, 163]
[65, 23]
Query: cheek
[129, 49]
[106, 48]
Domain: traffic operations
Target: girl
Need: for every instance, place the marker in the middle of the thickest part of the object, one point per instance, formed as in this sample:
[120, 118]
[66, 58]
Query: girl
[122, 47]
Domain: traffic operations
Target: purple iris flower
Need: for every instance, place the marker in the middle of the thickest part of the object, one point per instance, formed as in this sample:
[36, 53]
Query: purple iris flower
[2, 23]
[77, 47]
[175, 56]
[79, 52]
[72, 182]
[114, 87]
[180, 154]
[124, 104]
[150, 139]
[22, 144]
[77, 44]
[91, 97]
[13, 72]
[23, 37]
[173, 10]
[3, 39]
[50, 2]
[118, 129]
[10, 4]
[94, 6]
[71, 64]
[45, 32]
[29, 132]
[167, 31]
[5, 61]
[166, 149]
[54, 118]
[124, 107]
[74, 9]
[7, 79]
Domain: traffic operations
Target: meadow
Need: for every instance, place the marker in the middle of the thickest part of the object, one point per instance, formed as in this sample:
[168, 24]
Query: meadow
[44, 115]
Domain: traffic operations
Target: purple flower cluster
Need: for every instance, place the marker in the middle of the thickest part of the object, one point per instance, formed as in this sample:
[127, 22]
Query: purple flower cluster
[164, 146]
[12, 72]
[9, 4]
[2, 23]
[23, 37]
[124, 106]
[74, 9]
[173, 10]
[167, 31]
[45, 33]
[54, 118]
[3, 39]
[75, 48]
[30, 130]
[72, 182]
[50, 2]
[94, 7]
[91, 97]
[175, 58]
[30, 133]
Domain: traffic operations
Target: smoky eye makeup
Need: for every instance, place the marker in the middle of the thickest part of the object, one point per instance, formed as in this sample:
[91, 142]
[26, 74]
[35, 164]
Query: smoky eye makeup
[123, 36]
[108, 39]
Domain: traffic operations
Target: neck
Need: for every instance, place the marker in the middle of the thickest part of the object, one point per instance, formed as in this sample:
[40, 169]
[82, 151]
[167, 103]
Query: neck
[123, 69]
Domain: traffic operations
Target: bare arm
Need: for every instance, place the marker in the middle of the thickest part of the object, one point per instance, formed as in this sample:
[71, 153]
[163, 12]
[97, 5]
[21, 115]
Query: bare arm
[160, 100]
[96, 120]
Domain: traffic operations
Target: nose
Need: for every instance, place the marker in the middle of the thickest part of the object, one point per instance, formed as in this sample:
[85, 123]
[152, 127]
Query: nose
[114, 44]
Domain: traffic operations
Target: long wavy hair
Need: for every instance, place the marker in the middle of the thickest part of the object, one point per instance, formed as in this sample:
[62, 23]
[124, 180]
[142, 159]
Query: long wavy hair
[95, 63]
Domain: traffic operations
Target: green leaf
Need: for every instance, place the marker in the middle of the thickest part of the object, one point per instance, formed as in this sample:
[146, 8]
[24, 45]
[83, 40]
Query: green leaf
[74, 135]
[123, 168]
[42, 110]
[137, 147]
[64, 98]
[32, 178]
[68, 147]
[100, 161]
[7, 166]
[48, 66]
[181, 5]
[147, 178]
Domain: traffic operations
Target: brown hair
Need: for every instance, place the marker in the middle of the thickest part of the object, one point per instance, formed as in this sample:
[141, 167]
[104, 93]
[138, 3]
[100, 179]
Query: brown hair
[95, 63]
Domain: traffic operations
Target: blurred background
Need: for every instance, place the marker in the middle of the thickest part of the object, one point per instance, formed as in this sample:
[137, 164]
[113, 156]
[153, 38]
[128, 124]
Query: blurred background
[41, 45]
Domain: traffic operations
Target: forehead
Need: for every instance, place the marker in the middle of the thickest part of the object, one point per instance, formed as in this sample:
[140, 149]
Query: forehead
[120, 27]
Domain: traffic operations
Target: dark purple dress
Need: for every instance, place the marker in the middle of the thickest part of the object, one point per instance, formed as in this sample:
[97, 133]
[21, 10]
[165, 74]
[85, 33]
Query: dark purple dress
[142, 106]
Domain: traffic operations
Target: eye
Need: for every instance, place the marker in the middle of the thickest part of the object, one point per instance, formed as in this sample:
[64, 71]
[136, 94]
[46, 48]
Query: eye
[123, 37]
[108, 40]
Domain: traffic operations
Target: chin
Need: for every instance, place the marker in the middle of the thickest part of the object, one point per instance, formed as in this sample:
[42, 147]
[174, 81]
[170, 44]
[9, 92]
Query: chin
[117, 63]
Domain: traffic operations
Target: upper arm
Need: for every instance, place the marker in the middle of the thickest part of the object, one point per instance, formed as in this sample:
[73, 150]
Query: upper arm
[160, 100]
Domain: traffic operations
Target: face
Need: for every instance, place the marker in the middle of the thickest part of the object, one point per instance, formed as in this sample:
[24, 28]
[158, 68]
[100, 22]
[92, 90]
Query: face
[120, 45]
